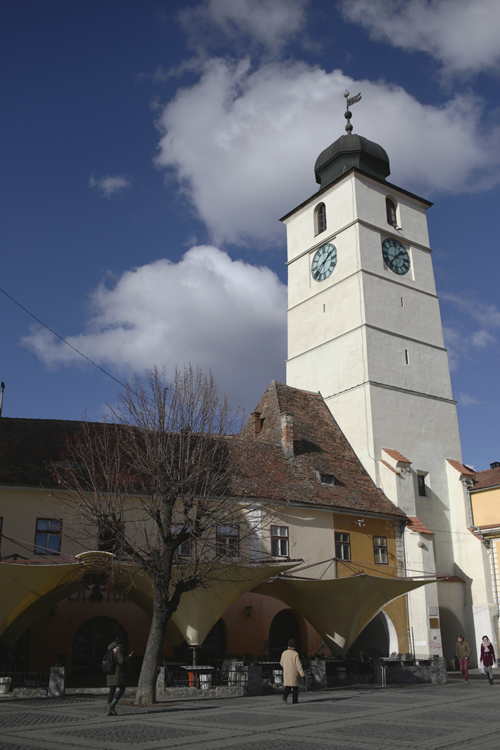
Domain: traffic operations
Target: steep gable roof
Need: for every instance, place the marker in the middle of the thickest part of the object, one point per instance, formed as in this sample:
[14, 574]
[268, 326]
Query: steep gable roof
[320, 448]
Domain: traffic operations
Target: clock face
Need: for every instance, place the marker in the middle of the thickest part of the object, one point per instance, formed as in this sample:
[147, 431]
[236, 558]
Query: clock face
[324, 262]
[396, 256]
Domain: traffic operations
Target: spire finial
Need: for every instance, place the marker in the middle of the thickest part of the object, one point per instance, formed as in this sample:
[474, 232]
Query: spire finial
[347, 113]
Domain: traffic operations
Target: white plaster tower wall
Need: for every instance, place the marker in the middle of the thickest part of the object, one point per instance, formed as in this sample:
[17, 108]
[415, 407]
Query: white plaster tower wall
[371, 341]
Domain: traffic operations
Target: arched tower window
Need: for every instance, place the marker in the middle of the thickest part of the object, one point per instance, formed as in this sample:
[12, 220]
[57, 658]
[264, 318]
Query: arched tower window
[391, 212]
[320, 218]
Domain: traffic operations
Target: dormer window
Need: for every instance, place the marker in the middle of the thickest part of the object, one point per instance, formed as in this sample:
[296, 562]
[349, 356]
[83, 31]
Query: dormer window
[327, 479]
[320, 218]
[390, 208]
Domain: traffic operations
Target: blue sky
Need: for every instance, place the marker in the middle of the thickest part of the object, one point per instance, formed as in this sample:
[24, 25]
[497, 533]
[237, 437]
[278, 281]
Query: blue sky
[149, 149]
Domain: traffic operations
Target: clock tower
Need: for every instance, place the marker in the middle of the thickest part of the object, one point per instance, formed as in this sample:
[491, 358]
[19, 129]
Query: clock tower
[364, 329]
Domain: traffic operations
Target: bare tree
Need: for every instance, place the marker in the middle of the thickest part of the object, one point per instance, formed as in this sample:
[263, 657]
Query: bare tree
[153, 485]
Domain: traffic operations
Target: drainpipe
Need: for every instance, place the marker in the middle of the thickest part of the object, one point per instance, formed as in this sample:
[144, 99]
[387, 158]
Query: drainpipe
[496, 599]
[495, 587]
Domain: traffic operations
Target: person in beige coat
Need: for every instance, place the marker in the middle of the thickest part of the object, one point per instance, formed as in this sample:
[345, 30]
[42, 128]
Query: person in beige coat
[292, 671]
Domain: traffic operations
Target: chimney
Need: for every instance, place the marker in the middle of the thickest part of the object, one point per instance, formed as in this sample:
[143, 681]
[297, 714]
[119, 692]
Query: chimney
[287, 434]
[256, 423]
[495, 465]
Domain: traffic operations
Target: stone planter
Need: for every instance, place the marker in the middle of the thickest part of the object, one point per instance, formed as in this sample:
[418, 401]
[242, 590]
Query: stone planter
[5, 685]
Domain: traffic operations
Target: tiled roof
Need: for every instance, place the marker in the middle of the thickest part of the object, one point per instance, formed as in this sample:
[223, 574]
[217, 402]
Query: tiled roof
[416, 525]
[489, 527]
[27, 446]
[389, 466]
[488, 478]
[320, 447]
[396, 455]
[461, 468]
[474, 533]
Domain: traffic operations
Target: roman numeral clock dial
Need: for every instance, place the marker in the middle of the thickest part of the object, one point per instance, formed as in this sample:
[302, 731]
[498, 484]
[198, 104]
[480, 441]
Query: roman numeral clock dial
[396, 256]
[324, 262]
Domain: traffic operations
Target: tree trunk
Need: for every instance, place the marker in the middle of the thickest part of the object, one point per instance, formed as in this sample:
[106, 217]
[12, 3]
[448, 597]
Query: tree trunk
[146, 688]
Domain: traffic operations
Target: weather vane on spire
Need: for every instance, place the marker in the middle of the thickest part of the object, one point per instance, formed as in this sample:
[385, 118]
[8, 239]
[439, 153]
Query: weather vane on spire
[347, 113]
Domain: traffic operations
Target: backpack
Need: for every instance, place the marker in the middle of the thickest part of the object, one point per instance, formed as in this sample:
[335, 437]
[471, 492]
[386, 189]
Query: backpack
[108, 662]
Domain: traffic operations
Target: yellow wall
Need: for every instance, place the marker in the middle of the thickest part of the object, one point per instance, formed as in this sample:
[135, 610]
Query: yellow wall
[486, 507]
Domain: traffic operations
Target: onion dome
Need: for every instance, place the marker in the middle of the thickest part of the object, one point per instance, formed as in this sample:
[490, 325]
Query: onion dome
[351, 151]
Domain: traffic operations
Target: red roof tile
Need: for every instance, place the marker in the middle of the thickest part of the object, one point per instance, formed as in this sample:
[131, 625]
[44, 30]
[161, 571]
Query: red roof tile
[461, 468]
[389, 466]
[27, 446]
[474, 533]
[416, 525]
[320, 447]
[396, 455]
[489, 526]
[486, 479]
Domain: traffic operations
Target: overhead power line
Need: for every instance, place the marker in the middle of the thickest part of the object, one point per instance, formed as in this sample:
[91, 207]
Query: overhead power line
[63, 340]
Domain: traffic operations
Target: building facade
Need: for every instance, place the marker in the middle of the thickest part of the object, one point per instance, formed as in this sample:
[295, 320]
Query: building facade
[330, 520]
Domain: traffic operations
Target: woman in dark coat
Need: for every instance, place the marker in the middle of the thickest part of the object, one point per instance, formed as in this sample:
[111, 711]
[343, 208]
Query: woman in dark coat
[117, 679]
[487, 657]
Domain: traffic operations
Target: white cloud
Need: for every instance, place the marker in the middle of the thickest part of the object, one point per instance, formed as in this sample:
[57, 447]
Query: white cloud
[485, 314]
[109, 185]
[243, 143]
[482, 338]
[208, 309]
[465, 400]
[268, 22]
[464, 35]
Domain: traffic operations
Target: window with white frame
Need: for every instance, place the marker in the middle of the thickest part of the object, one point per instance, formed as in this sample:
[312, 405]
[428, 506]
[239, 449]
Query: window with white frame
[48, 536]
[228, 540]
[184, 549]
[279, 541]
[380, 550]
[342, 546]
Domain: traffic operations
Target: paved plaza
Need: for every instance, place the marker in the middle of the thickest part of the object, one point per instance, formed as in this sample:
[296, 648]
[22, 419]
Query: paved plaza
[453, 717]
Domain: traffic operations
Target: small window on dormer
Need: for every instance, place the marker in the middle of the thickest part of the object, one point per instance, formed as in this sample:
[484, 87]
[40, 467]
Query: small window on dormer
[327, 479]
[320, 218]
[391, 212]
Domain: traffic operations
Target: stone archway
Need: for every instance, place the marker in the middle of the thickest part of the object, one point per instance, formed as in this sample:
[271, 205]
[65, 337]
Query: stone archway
[283, 627]
[379, 638]
[90, 644]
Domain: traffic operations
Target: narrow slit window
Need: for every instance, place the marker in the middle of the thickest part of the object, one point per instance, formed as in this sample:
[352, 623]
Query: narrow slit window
[320, 218]
[324, 308]
[422, 487]
[407, 357]
[402, 302]
[391, 212]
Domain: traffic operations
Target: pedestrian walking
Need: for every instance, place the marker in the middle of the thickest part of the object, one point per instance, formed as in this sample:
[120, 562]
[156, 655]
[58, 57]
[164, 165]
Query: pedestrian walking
[292, 671]
[463, 653]
[117, 679]
[488, 657]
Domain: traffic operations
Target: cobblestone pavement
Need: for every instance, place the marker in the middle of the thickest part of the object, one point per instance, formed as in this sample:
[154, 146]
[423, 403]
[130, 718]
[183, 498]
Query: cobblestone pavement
[432, 717]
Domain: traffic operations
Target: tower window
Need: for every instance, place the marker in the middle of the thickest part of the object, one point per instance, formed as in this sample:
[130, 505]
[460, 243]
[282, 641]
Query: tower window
[407, 357]
[320, 218]
[391, 212]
